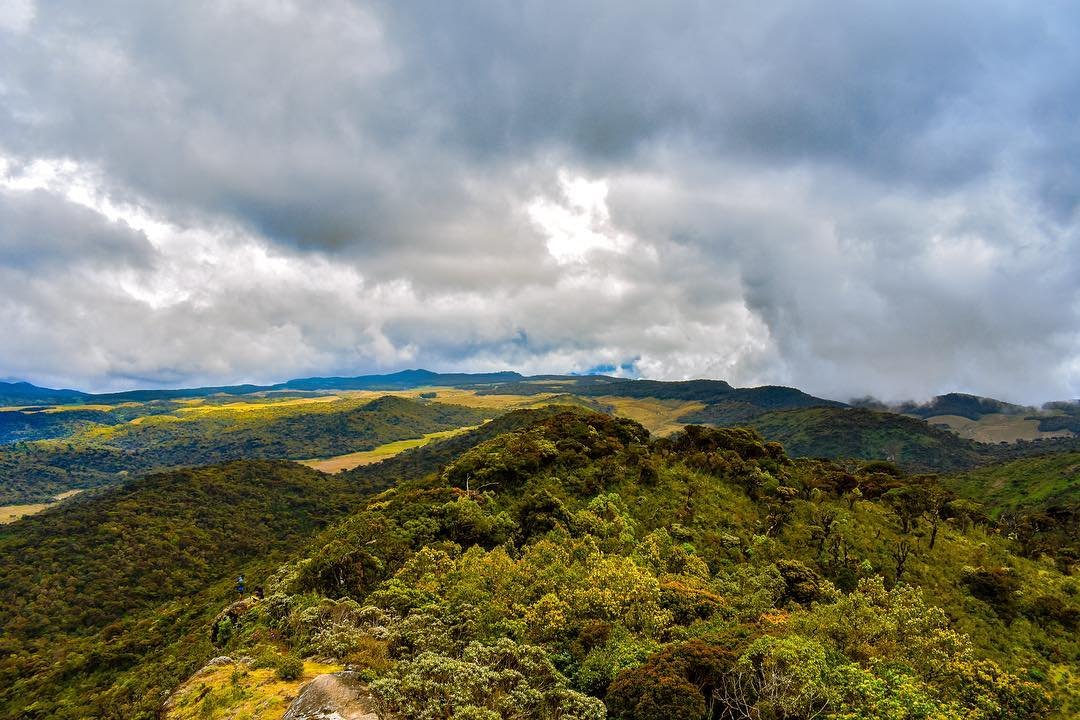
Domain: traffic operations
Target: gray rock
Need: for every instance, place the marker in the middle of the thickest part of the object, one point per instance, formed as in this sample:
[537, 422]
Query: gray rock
[334, 696]
[220, 660]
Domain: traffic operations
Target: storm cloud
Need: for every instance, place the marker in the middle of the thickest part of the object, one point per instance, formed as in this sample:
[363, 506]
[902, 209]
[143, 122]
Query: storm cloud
[850, 197]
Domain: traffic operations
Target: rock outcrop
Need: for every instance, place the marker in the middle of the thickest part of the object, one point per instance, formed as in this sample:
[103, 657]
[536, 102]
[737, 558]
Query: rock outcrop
[334, 696]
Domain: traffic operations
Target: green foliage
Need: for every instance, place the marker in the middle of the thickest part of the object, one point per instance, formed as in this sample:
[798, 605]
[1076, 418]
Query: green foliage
[707, 586]
[682, 681]
[868, 435]
[101, 587]
[38, 424]
[971, 407]
[995, 586]
[500, 680]
[1020, 485]
[705, 575]
[290, 668]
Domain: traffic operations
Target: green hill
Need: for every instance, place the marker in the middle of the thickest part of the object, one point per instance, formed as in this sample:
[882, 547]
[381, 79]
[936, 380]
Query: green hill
[1029, 483]
[863, 434]
[93, 590]
[971, 407]
[868, 435]
[293, 431]
[549, 564]
[23, 393]
[590, 570]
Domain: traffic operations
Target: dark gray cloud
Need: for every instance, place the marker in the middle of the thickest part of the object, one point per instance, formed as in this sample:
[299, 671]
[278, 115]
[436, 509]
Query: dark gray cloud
[851, 197]
[42, 232]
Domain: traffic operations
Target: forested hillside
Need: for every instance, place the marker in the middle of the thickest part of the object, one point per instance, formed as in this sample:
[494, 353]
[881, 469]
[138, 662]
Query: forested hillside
[114, 586]
[107, 601]
[1040, 482]
[198, 435]
[868, 435]
[589, 570]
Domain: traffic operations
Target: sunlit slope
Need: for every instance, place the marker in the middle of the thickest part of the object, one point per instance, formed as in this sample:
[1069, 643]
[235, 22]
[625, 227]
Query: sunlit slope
[998, 428]
[1036, 482]
[383, 452]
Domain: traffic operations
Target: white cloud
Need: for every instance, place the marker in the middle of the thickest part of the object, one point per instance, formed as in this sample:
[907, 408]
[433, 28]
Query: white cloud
[840, 197]
[579, 222]
[16, 15]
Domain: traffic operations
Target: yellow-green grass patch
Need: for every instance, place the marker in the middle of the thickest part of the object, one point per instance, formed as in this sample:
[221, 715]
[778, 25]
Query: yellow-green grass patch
[660, 417]
[261, 404]
[349, 461]
[68, 408]
[11, 513]
[996, 428]
[236, 692]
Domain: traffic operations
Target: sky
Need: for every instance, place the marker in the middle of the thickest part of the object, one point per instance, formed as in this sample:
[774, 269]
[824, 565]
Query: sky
[851, 197]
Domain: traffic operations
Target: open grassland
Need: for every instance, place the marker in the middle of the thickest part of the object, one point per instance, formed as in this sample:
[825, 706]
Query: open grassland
[11, 513]
[256, 404]
[660, 417]
[996, 428]
[352, 460]
[235, 690]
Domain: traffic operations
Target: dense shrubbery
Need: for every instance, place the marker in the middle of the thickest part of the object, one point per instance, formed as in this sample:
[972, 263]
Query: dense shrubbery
[110, 602]
[703, 576]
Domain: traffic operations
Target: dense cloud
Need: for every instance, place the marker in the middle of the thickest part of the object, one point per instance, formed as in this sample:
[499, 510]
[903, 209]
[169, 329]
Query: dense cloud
[848, 197]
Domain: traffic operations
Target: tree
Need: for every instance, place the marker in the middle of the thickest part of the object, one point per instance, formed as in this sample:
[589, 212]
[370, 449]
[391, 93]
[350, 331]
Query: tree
[681, 681]
[908, 503]
[900, 551]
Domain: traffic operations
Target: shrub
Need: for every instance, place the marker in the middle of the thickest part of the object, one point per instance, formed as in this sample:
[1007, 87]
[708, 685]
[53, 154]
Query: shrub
[291, 668]
[994, 586]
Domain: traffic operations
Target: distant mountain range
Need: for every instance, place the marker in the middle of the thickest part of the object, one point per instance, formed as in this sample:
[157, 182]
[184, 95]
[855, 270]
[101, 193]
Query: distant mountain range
[948, 433]
[726, 404]
[23, 393]
[511, 383]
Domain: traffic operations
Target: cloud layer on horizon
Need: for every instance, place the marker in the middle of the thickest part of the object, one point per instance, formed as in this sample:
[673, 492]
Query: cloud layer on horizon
[852, 198]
